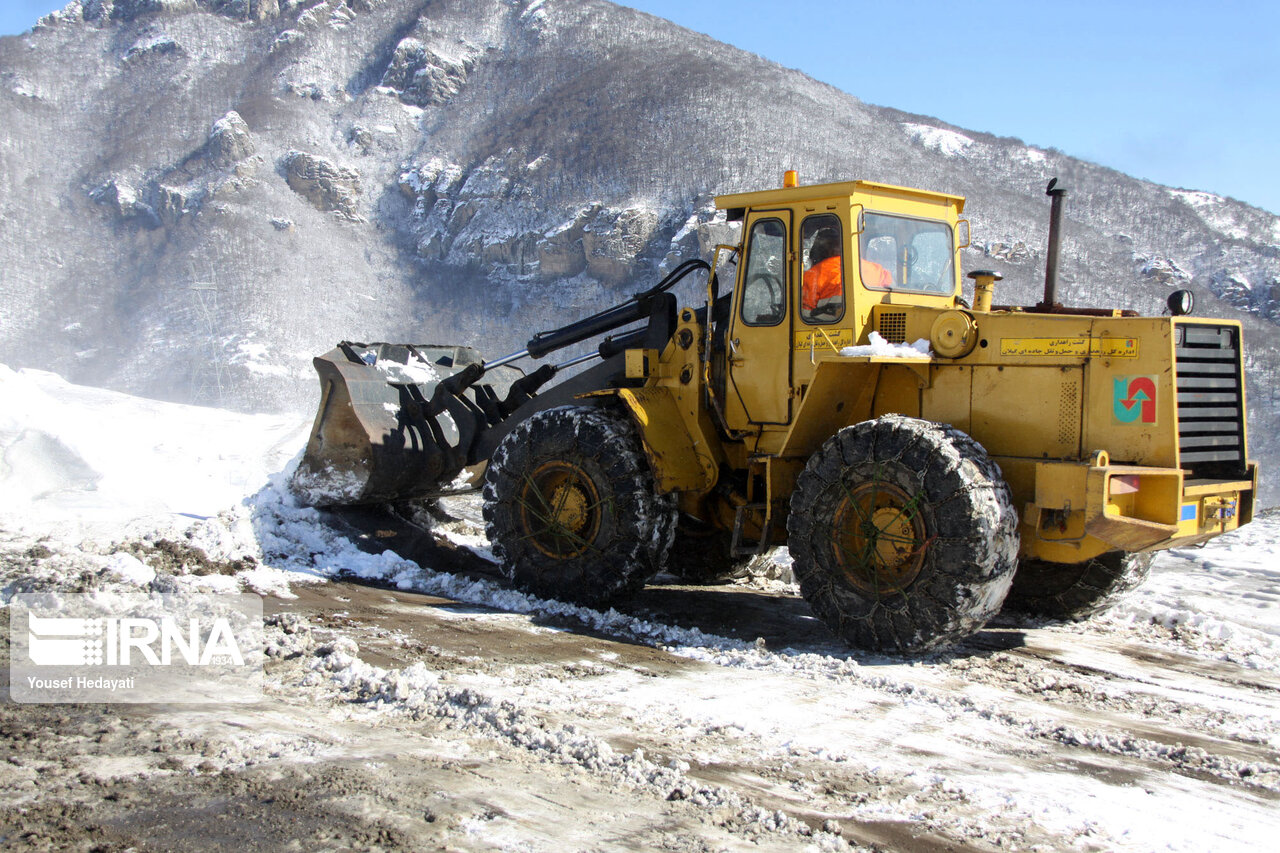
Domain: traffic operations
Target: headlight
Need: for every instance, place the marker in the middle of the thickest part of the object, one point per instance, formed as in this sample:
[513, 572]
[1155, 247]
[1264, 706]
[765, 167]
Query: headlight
[1181, 302]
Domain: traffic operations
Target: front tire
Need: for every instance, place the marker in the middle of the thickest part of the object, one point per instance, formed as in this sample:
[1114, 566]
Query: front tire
[1076, 591]
[571, 509]
[903, 534]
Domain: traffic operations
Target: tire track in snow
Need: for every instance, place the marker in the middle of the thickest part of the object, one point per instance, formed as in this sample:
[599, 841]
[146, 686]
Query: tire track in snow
[1041, 672]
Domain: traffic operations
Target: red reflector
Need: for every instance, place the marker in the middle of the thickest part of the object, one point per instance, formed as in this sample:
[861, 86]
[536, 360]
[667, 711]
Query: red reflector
[1124, 485]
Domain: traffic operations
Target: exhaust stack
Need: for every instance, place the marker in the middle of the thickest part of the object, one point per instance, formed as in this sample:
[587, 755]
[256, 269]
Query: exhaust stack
[1057, 194]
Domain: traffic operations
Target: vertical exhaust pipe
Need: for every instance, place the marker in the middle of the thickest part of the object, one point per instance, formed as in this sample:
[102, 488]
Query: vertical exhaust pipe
[1057, 194]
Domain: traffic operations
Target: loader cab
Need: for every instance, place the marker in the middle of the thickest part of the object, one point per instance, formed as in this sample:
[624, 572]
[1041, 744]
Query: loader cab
[815, 264]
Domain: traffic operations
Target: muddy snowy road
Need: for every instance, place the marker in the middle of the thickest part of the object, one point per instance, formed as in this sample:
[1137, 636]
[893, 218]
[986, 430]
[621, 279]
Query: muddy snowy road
[415, 709]
[1022, 738]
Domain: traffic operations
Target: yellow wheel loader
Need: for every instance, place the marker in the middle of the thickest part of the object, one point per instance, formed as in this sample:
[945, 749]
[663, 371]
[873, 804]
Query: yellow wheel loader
[926, 461]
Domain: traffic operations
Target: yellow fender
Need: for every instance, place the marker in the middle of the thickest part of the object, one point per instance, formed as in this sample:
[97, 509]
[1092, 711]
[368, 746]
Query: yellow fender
[672, 439]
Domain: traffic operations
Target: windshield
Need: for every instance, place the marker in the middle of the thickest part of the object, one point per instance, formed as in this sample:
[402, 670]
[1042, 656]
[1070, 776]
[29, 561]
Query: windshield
[899, 253]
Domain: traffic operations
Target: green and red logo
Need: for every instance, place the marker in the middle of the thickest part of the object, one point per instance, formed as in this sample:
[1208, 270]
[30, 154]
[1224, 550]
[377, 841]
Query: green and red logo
[1134, 401]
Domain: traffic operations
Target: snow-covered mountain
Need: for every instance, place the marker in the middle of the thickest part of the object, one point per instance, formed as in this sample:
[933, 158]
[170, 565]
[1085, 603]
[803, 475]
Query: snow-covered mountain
[198, 195]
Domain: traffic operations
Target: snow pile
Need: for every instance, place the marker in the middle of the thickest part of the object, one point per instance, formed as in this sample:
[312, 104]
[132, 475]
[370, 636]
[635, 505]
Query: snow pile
[82, 461]
[883, 349]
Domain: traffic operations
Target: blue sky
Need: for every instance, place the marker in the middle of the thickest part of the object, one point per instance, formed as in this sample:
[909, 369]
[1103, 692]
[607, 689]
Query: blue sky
[1182, 93]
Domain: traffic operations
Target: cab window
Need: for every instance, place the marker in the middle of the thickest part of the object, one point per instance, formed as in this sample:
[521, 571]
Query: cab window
[764, 288]
[901, 253]
[822, 250]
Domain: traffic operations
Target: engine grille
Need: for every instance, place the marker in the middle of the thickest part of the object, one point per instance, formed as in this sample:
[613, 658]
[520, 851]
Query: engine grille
[893, 326]
[1210, 401]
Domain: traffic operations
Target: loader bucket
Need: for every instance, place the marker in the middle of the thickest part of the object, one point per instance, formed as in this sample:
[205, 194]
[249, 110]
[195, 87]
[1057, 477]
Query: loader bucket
[405, 421]
[397, 422]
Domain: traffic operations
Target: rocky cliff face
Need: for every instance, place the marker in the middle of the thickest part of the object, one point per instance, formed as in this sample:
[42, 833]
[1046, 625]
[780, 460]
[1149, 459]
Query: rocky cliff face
[198, 195]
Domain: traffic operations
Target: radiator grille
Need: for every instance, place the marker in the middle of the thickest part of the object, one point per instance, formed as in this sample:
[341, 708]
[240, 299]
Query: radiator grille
[893, 326]
[1210, 401]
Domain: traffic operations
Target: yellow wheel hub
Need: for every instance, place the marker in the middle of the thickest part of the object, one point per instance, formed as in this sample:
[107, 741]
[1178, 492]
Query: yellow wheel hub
[878, 538]
[560, 509]
[569, 506]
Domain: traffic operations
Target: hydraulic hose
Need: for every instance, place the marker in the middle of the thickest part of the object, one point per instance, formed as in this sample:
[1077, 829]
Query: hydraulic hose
[633, 310]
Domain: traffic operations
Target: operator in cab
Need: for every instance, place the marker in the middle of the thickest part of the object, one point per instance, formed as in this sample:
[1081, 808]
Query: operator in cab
[823, 293]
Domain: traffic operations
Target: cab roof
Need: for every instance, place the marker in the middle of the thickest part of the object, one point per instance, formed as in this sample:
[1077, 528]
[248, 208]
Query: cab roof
[843, 189]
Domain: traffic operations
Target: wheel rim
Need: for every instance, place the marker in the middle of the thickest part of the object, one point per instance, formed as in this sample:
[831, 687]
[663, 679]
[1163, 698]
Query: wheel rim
[878, 538]
[560, 510]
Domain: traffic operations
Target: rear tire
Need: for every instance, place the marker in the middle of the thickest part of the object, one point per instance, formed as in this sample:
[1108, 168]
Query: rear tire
[903, 534]
[571, 509]
[1076, 590]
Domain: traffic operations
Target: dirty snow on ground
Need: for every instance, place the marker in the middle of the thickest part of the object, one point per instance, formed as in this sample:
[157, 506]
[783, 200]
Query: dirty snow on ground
[408, 706]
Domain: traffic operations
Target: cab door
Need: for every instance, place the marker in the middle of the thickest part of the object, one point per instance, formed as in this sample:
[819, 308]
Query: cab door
[759, 341]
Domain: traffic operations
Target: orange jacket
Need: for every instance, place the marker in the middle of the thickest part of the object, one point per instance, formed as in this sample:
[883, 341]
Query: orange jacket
[823, 280]
[874, 275]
